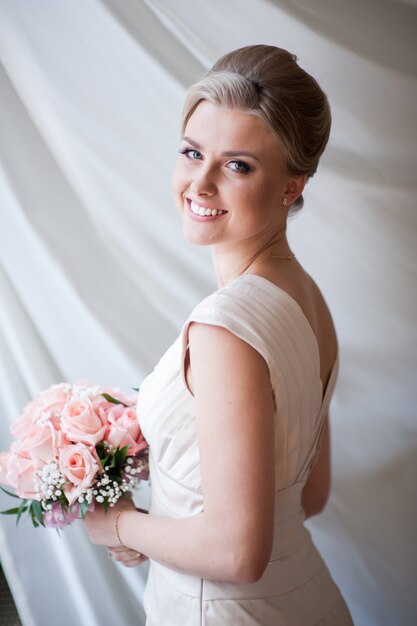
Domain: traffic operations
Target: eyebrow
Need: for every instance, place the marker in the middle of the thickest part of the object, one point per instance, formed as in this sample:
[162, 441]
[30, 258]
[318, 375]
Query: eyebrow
[231, 153]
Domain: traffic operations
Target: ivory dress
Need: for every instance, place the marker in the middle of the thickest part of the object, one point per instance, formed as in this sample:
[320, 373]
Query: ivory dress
[296, 588]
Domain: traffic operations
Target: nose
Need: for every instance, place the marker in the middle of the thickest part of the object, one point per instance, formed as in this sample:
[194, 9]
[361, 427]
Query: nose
[203, 183]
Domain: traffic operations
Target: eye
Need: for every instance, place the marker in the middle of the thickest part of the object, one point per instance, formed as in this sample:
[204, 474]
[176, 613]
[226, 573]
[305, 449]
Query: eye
[240, 166]
[191, 153]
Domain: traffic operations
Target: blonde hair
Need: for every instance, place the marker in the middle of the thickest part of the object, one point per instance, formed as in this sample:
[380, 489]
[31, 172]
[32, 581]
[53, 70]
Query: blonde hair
[267, 81]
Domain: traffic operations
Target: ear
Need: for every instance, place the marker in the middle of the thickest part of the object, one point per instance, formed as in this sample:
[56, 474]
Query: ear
[293, 189]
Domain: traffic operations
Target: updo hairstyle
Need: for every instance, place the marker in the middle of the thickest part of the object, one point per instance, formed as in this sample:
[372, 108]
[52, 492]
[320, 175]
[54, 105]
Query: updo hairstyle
[266, 81]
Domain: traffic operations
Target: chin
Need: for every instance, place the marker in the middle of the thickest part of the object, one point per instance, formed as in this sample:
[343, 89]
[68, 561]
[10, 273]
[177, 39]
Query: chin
[196, 239]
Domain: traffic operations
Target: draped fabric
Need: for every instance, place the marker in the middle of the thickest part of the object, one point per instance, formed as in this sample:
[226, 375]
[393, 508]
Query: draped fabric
[96, 279]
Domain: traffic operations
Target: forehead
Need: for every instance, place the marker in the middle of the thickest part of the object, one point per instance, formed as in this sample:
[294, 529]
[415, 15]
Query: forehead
[226, 128]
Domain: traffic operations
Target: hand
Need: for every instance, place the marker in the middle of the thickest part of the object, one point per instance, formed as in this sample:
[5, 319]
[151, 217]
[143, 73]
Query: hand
[128, 558]
[101, 526]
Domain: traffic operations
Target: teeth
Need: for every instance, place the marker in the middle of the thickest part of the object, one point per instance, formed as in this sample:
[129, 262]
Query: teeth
[199, 210]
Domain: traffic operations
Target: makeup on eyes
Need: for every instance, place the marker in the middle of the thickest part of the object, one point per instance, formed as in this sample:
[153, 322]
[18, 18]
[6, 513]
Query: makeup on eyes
[246, 167]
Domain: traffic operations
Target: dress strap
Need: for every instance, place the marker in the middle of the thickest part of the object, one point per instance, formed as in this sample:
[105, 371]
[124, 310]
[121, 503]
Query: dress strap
[235, 311]
[320, 422]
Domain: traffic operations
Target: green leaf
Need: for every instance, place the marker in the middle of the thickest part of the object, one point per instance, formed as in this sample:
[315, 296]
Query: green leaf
[118, 459]
[37, 512]
[22, 509]
[24, 503]
[9, 493]
[63, 500]
[11, 511]
[122, 453]
[84, 508]
[110, 398]
[104, 461]
[101, 450]
[135, 388]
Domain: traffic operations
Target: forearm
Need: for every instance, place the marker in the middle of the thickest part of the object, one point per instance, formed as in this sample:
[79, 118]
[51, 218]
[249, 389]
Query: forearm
[189, 545]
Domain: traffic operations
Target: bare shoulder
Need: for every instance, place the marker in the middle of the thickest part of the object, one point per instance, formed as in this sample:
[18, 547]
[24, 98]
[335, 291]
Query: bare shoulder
[298, 283]
[218, 347]
[317, 311]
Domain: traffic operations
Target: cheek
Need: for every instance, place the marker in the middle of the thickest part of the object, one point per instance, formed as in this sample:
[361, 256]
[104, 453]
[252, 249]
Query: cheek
[179, 183]
[265, 195]
[258, 206]
[254, 199]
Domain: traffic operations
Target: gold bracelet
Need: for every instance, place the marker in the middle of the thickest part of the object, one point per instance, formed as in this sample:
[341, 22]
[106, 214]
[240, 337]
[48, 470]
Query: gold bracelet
[125, 508]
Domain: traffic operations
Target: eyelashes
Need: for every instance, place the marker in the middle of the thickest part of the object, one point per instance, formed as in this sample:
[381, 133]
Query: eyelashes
[187, 152]
[243, 168]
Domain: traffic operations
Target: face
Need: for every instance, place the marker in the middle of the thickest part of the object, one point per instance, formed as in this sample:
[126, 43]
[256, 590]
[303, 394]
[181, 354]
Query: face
[231, 163]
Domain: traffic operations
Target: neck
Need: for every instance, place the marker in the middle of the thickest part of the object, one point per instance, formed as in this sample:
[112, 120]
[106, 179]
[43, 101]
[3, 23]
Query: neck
[232, 259]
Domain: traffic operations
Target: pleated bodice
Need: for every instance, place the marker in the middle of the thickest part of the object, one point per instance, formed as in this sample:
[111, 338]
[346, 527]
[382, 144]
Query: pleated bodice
[272, 322]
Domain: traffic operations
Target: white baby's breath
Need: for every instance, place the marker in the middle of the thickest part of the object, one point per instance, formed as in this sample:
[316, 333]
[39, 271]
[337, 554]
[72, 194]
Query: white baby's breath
[44, 417]
[49, 483]
[86, 393]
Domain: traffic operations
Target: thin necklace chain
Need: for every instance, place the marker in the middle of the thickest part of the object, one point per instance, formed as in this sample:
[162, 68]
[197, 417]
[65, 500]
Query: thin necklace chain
[288, 257]
[254, 260]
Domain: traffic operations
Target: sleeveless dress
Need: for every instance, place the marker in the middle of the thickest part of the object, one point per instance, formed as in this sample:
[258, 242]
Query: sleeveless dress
[296, 588]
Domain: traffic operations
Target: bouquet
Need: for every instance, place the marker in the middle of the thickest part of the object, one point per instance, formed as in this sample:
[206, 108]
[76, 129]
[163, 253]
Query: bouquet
[76, 446]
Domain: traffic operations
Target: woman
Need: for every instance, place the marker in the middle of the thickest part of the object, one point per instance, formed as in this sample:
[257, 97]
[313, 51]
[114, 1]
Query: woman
[235, 412]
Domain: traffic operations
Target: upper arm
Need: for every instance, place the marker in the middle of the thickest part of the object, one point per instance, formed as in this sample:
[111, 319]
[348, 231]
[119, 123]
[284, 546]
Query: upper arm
[235, 429]
[317, 488]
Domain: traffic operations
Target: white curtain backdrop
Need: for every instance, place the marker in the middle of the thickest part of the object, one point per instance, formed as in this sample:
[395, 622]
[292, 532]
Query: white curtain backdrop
[96, 278]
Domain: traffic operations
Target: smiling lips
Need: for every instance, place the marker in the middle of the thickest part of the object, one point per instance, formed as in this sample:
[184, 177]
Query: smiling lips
[201, 211]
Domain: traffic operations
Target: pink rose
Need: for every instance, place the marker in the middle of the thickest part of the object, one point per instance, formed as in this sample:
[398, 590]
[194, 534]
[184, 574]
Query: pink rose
[4, 467]
[20, 475]
[37, 444]
[16, 449]
[101, 407]
[117, 394]
[124, 430]
[81, 423]
[31, 414]
[59, 438]
[55, 397]
[79, 464]
[49, 402]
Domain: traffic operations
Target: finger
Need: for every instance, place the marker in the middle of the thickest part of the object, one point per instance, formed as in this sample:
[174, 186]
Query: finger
[122, 550]
[126, 556]
[118, 556]
[134, 562]
[131, 564]
[128, 559]
[116, 549]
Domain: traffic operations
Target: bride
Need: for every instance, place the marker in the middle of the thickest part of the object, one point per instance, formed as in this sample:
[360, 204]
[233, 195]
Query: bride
[236, 411]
